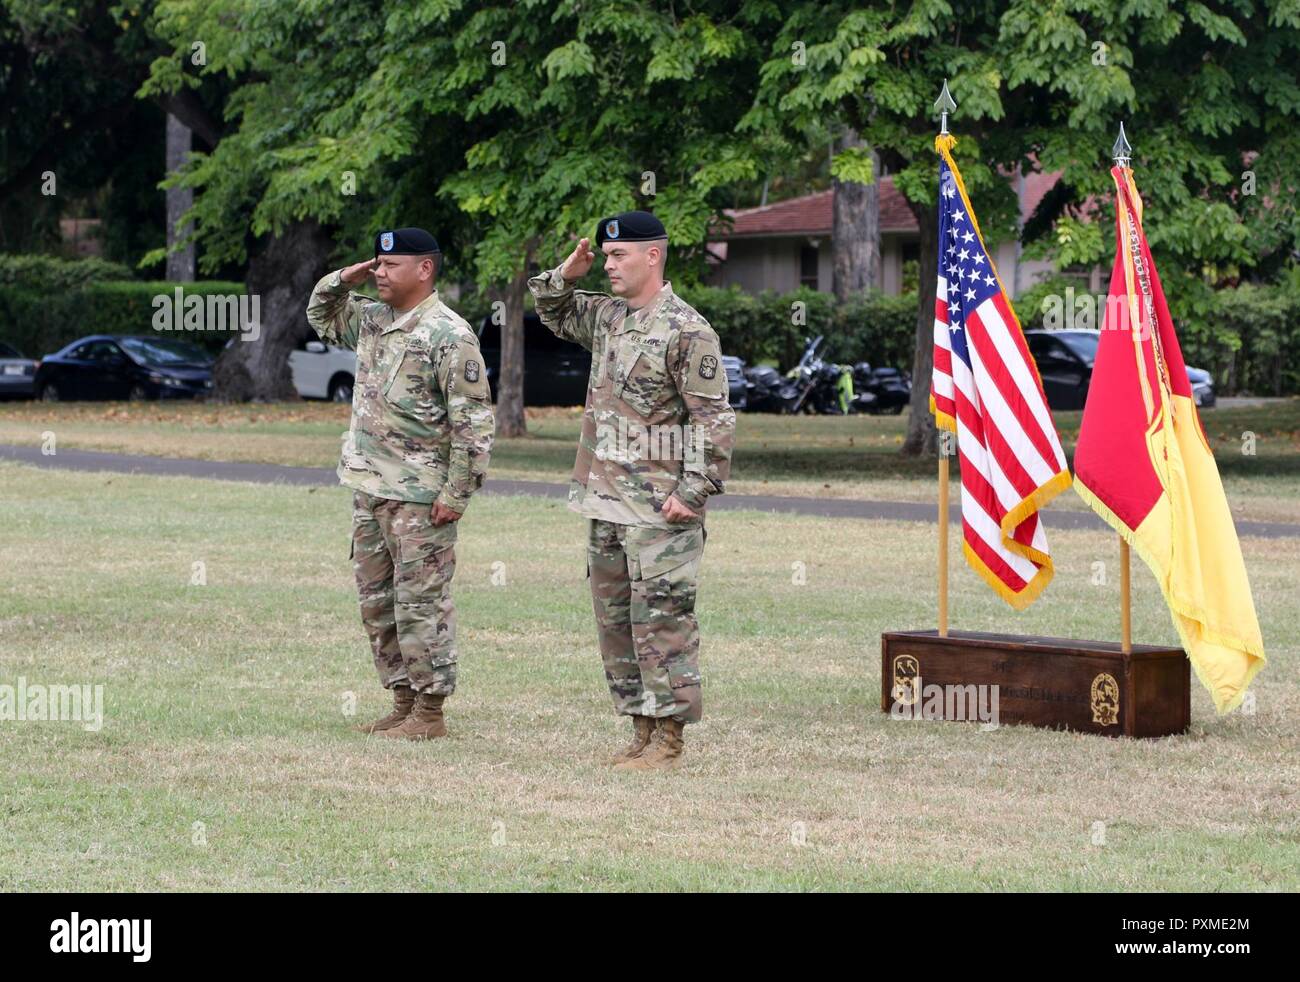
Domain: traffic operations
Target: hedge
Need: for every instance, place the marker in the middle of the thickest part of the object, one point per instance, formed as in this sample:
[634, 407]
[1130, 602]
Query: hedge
[40, 322]
[772, 327]
[54, 273]
[769, 327]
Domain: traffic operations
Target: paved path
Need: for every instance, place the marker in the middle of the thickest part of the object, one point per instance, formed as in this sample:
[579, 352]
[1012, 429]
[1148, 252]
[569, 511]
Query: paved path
[228, 470]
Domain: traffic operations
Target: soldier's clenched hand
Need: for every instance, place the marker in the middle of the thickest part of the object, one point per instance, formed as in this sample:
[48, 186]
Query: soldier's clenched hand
[360, 272]
[579, 261]
[441, 514]
[675, 511]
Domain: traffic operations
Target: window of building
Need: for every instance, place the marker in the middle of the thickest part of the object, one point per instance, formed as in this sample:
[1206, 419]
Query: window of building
[808, 266]
[910, 254]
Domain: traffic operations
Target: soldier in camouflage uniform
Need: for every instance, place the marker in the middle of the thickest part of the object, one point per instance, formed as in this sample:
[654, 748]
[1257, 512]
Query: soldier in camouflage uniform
[416, 450]
[656, 442]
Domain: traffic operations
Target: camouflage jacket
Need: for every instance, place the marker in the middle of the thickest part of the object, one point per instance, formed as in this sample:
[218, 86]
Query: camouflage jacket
[657, 421]
[422, 422]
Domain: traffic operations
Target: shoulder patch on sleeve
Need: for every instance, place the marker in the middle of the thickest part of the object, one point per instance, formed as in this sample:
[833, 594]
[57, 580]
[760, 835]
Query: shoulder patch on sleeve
[705, 374]
[466, 371]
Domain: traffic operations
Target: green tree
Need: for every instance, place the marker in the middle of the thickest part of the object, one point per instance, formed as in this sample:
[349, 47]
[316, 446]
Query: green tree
[510, 127]
[598, 108]
[301, 173]
[67, 100]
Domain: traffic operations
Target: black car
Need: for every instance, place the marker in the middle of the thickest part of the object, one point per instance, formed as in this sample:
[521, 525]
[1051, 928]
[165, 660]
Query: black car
[17, 374]
[1065, 360]
[125, 367]
[555, 371]
[737, 386]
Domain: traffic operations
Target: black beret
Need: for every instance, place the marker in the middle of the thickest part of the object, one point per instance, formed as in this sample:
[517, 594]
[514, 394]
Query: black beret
[631, 226]
[405, 242]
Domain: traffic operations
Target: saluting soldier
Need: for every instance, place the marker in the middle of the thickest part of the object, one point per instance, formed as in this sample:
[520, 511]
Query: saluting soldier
[416, 451]
[656, 372]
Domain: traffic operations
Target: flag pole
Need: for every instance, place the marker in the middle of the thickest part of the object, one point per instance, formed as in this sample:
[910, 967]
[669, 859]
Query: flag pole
[1125, 603]
[1123, 155]
[943, 105]
[943, 539]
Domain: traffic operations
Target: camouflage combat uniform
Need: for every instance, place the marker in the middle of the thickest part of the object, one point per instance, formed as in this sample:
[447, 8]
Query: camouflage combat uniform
[421, 432]
[654, 372]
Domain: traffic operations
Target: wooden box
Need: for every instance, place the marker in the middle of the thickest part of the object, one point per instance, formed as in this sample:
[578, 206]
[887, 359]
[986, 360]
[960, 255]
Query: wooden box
[1089, 686]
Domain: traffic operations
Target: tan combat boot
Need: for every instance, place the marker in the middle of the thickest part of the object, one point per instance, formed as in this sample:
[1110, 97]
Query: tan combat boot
[425, 721]
[403, 700]
[664, 752]
[643, 728]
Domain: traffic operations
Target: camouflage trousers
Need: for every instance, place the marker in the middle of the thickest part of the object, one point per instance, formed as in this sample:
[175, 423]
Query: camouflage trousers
[404, 565]
[643, 583]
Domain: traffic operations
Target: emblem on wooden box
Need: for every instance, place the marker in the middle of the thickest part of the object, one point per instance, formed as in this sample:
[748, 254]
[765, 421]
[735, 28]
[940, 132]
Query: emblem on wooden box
[1105, 700]
[907, 671]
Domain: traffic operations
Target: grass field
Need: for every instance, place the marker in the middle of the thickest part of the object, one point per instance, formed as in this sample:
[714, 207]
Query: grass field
[225, 761]
[855, 456]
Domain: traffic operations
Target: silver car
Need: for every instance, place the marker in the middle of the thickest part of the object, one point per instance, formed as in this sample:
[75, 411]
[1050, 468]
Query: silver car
[17, 374]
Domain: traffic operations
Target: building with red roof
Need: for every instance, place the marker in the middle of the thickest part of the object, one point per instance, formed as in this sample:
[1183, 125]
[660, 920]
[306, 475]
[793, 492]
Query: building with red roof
[786, 244]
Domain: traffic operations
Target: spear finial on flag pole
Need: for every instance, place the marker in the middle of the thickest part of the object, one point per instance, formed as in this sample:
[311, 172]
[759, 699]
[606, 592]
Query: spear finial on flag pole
[1121, 151]
[943, 105]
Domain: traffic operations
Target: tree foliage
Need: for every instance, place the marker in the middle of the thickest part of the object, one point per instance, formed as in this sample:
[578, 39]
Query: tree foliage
[509, 128]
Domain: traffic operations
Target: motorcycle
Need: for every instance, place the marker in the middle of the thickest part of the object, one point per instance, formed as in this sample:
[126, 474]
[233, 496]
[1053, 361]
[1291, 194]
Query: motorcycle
[890, 390]
[832, 391]
[772, 392]
[815, 385]
[768, 390]
[837, 390]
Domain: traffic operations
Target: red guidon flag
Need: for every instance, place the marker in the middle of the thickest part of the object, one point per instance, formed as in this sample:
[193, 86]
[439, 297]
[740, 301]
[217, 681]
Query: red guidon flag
[1143, 464]
[986, 389]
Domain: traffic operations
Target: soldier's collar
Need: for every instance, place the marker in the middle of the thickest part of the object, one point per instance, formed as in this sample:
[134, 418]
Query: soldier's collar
[639, 320]
[407, 320]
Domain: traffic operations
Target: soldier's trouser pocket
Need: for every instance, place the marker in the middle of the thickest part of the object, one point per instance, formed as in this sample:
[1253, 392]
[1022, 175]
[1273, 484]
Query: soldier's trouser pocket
[611, 600]
[664, 566]
[372, 567]
[426, 616]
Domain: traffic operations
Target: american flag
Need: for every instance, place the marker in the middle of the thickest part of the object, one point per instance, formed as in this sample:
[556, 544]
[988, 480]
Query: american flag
[986, 389]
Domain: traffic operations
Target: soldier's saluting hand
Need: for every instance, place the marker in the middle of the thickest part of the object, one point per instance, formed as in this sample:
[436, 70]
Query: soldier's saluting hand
[358, 273]
[579, 262]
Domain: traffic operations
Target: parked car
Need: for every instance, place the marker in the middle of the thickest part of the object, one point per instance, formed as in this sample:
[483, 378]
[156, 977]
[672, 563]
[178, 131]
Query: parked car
[555, 371]
[737, 387]
[1065, 360]
[125, 367]
[17, 374]
[323, 371]
[1202, 387]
